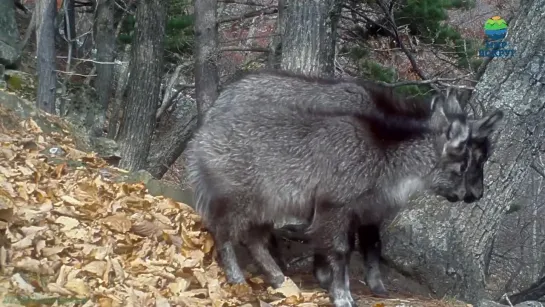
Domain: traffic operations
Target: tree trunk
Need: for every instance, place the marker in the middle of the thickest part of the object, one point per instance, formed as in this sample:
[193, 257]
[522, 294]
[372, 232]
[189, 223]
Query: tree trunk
[70, 25]
[144, 85]
[105, 44]
[445, 245]
[274, 59]
[206, 54]
[120, 91]
[47, 77]
[121, 78]
[308, 45]
[172, 144]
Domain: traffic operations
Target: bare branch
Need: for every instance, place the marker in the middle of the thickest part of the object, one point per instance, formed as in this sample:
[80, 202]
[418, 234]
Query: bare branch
[242, 49]
[29, 30]
[240, 39]
[93, 61]
[243, 2]
[431, 82]
[266, 11]
[171, 100]
[70, 73]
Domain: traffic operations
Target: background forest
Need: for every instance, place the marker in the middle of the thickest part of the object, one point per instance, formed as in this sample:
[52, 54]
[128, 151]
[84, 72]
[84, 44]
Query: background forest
[135, 77]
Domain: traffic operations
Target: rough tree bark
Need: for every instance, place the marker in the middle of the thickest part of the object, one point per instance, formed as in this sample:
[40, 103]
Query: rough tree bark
[120, 91]
[47, 77]
[309, 45]
[275, 47]
[172, 144]
[105, 45]
[445, 245]
[9, 36]
[206, 53]
[144, 85]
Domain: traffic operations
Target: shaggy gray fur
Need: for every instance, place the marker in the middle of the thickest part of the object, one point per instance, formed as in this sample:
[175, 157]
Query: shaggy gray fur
[340, 155]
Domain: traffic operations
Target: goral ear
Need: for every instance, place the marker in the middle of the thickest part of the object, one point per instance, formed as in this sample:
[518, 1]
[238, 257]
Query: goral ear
[457, 137]
[439, 120]
[452, 105]
[483, 127]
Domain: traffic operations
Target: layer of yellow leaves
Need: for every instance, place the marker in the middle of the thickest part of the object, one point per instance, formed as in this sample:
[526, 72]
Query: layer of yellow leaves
[70, 234]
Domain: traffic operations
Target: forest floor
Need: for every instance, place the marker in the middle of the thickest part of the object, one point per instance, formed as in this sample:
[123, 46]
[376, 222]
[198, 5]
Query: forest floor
[71, 232]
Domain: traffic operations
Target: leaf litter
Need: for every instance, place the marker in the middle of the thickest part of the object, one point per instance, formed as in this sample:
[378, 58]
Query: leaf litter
[69, 236]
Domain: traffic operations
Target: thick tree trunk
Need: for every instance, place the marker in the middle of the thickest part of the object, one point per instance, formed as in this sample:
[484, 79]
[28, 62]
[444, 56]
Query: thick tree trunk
[105, 44]
[446, 245]
[172, 144]
[47, 77]
[144, 85]
[308, 41]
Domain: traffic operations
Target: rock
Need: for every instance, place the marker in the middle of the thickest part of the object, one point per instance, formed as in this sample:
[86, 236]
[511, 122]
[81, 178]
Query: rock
[105, 148]
[489, 303]
[158, 187]
[22, 83]
[10, 52]
[3, 84]
[530, 304]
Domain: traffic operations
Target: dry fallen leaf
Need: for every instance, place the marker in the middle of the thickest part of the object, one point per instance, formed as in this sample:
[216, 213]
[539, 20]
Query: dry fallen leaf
[78, 286]
[287, 289]
[22, 284]
[71, 200]
[96, 267]
[68, 222]
[118, 223]
[263, 304]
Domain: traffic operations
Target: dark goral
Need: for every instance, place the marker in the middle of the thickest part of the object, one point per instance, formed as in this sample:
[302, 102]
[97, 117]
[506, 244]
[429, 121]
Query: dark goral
[340, 155]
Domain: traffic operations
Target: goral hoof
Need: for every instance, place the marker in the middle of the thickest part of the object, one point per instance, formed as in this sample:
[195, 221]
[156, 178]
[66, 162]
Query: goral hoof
[380, 292]
[345, 303]
[276, 282]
